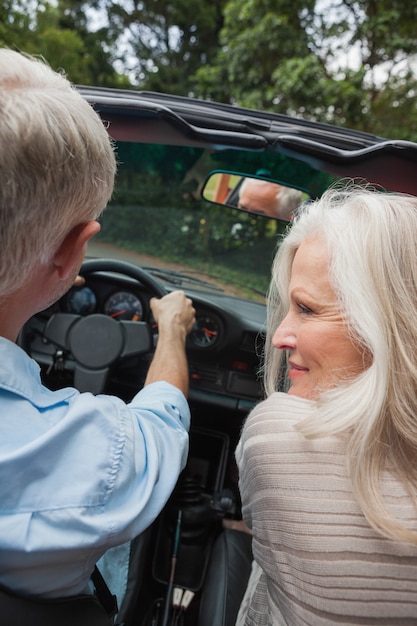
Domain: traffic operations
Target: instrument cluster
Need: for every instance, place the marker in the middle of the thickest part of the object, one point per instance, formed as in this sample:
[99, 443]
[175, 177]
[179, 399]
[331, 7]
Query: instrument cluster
[121, 305]
[126, 305]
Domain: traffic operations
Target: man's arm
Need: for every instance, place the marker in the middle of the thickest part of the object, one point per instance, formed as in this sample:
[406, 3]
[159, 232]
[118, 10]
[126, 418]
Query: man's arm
[175, 316]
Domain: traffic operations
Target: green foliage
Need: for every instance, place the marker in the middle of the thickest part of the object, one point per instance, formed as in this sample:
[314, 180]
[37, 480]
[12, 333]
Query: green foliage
[63, 35]
[15, 24]
[167, 41]
[347, 62]
[227, 245]
[395, 108]
[257, 36]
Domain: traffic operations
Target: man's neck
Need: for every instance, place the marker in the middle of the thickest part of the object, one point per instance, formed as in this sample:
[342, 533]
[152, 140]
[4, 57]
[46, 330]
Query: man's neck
[16, 308]
[11, 318]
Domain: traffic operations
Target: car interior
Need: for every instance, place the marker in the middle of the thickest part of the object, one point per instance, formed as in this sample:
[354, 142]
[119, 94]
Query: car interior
[175, 222]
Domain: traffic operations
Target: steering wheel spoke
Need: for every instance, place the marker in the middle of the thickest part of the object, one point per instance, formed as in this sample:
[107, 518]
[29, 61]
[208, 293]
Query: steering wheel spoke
[97, 342]
[86, 379]
[138, 338]
[58, 326]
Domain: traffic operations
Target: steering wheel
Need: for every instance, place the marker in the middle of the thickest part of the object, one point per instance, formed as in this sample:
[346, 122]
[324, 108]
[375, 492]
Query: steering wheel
[97, 341]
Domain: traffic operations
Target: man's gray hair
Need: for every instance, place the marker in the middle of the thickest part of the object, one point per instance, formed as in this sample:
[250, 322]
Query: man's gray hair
[57, 164]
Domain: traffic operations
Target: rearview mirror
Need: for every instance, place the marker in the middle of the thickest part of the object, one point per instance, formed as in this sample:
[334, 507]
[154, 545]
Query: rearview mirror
[253, 195]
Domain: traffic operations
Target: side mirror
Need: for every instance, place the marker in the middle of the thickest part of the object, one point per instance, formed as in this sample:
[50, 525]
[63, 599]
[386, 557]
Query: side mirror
[253, 195]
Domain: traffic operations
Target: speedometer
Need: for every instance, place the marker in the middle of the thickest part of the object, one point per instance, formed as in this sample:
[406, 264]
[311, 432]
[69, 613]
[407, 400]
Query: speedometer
[124, 305]
[206, 331]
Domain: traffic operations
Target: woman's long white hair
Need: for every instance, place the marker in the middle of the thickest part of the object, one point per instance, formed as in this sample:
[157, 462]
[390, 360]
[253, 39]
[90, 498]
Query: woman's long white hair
[371, 241]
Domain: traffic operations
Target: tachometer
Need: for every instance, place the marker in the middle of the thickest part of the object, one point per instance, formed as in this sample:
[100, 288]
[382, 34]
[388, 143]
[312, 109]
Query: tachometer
[124, 305]
[206, 331]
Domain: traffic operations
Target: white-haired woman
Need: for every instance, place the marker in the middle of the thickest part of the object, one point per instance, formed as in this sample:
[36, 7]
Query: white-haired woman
[328, 466]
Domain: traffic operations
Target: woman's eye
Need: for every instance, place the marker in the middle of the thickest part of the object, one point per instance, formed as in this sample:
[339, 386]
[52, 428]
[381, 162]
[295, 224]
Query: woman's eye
[303, 309]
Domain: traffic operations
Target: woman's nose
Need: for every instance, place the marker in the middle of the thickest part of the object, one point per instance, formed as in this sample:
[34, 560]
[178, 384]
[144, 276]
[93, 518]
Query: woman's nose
[284, 337]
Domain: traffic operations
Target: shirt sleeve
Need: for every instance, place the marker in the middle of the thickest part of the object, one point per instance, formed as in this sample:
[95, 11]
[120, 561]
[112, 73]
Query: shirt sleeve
[147, 460]
[101, 471]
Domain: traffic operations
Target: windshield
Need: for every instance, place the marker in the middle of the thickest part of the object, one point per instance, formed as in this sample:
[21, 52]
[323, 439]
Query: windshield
[158, 219]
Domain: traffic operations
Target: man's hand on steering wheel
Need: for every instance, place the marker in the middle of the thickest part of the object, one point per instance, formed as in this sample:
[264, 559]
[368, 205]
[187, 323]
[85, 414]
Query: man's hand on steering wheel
[175, 316]
[174, 313]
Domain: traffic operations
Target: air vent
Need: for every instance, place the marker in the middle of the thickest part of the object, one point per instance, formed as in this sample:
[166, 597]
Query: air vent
[250, 342]
[207, 377]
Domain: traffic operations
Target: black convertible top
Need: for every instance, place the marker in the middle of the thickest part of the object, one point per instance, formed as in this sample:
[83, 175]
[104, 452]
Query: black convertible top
[143, 116]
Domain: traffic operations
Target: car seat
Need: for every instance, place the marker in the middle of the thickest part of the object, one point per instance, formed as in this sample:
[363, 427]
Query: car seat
[81, 610]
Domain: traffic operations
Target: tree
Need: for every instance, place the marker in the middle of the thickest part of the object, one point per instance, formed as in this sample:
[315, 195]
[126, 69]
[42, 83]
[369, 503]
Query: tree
[167, 41]
[349, 62]
[64, 35]
[257, 36]
[15, 24]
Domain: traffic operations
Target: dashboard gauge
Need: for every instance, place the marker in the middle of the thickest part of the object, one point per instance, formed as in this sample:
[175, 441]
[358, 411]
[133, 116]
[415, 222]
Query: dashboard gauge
[206, 331]
[80, 300]
[124, 305]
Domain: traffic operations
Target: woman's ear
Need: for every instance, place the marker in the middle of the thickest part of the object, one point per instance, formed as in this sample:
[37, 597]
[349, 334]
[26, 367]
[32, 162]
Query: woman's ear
[72, 250]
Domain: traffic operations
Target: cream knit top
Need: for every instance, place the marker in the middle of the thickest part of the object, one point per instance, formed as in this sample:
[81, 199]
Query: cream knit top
[321, 563]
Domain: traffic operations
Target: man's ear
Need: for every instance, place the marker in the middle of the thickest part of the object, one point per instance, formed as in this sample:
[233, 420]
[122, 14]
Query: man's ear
[71, 251]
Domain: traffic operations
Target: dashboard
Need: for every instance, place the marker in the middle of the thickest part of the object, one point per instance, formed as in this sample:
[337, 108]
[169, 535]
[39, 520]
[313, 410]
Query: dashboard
[223, 348]
[132, 304]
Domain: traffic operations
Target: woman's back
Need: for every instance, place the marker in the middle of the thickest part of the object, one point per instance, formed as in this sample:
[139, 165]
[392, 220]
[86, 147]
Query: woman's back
[322, 562]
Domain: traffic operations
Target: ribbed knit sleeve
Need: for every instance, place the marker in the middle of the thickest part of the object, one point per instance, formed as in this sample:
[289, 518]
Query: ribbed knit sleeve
[322, 564]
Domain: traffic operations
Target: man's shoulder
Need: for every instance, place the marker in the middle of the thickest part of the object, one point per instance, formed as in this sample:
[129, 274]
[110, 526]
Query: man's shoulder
[20, 378]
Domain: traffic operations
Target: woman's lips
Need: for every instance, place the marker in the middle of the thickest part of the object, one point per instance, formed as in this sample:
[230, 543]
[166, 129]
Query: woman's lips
[296, 370]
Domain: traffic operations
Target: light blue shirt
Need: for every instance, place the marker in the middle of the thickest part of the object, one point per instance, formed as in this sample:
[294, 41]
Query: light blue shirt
[78, 473]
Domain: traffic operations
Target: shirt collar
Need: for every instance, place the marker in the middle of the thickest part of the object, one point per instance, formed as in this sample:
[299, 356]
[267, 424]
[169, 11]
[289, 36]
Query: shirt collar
[20, 374]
